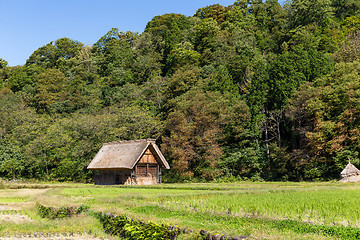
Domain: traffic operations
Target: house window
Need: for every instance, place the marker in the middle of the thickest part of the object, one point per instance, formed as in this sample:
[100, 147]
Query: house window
[141, 171]
[147, 170]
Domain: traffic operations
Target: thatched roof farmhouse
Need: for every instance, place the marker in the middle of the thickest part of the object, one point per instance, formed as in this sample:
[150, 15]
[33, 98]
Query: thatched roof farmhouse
[136, 162]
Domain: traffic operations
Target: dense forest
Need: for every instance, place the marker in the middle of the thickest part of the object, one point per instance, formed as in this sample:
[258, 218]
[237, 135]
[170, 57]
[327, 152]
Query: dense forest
[254, 90]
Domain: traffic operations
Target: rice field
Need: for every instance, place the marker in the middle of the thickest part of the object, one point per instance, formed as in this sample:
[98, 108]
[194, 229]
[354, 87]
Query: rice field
[284, 210]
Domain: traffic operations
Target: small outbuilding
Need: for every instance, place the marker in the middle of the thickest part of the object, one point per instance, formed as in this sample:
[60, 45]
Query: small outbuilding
[136, 162]
[350, 174]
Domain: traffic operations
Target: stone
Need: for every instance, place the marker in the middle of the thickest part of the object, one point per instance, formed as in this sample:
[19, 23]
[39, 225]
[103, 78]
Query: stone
[240, 237]
[203, 232]
[216, 237]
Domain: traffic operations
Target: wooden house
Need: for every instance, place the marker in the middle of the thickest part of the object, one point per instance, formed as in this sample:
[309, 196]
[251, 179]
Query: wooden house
[137, 162]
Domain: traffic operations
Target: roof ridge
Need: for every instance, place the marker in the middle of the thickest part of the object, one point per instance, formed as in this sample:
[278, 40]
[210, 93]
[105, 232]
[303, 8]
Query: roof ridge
[152, 140]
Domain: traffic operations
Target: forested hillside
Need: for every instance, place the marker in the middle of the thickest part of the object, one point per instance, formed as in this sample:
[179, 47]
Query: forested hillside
[253, 90]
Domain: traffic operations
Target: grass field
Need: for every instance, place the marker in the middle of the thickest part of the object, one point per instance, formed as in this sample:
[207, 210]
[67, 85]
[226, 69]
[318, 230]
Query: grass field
[325, 210]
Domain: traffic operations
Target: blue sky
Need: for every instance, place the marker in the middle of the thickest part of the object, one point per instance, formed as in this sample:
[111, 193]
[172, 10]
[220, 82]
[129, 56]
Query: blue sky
[27, 25]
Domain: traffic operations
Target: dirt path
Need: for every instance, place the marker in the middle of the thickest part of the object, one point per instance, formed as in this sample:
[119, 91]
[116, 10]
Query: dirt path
[11, 212]
[15, 218]
[52, 237]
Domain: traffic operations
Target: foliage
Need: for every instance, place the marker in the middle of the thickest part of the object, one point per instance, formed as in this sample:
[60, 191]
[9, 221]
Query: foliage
[249, 90]
[62, 212]
[53, 53]
[195, 127]
[135, 229]
[246, 162]
[349, 50]
[12, 163]
[304, 12]
[331, 107]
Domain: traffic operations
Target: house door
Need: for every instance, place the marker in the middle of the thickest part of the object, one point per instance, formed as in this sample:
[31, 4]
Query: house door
[118, 179]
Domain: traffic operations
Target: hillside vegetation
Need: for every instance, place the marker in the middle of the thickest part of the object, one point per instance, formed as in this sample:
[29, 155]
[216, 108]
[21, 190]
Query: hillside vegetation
[252, 90]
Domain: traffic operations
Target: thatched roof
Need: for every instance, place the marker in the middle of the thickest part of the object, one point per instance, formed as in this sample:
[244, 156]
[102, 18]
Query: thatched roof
[349, 170]
[125, 154]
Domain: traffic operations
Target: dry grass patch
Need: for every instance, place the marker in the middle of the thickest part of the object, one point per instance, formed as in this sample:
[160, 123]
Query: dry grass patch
[14, 218]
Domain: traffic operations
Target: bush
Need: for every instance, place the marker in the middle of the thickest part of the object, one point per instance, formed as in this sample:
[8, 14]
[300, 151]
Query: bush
[53, 213]
[135, 229]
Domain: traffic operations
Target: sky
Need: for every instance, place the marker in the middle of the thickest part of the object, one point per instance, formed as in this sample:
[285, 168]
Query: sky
[27, 25]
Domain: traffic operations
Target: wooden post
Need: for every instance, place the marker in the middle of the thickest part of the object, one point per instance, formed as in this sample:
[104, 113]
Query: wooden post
[131, 176]
[160, 174]
[157, 174]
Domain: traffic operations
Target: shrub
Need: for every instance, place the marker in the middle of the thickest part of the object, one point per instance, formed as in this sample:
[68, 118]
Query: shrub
[53, 213]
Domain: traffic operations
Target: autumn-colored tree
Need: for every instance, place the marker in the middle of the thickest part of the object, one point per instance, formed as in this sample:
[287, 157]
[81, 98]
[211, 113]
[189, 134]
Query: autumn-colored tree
[193, 137]
[349, 49]
[196, 130]
[182, 81]
[327, 113]
[216, 12]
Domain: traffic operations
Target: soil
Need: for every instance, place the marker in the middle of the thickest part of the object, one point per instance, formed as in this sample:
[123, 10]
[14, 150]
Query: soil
[51, 236]
[15, 218]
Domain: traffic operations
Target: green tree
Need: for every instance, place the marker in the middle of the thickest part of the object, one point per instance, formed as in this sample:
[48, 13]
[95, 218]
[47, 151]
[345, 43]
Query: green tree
[184, 54]
[48, 148]
[18, 79]
[205, 33]
[288, 71]
[3, 63]
[48, 55]
[147, 63]
[219, 79]
[166, 32]
[346, 8]
[181, 82]
[240, 17]
[115, 57]
[50, 88]
[3, 72]
[304, 12]
[246, 162]
[12, 163]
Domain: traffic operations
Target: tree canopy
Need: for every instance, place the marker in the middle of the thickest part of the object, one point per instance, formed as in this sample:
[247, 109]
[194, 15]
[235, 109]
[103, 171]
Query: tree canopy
[253, 90]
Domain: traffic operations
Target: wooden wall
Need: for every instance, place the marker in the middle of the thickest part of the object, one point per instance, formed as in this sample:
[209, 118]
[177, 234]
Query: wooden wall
[147, 166]
[112, 177]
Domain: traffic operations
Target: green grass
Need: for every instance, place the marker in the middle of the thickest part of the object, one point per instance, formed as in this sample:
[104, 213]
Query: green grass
[262, 210]
[12, 199]
[327, 203]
